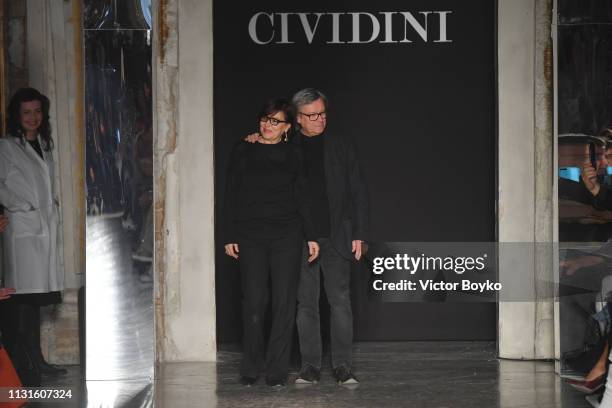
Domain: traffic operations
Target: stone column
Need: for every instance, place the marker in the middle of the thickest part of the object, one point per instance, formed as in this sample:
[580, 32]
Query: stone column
[525, 178]
[184, 177]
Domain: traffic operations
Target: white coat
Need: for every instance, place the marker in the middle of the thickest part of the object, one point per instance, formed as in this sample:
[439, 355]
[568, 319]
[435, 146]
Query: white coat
[30, 239]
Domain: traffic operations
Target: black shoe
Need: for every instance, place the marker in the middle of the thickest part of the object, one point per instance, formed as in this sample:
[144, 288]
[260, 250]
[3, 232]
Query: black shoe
[247, 381]
[308, 375]
[344, 376]
[276, 382]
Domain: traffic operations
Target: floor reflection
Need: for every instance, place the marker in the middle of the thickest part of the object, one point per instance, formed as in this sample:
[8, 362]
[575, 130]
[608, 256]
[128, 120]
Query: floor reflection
[120, 339]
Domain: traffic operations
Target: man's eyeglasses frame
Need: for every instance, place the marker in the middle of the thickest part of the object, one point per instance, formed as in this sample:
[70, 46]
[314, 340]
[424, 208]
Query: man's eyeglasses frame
[314, 116]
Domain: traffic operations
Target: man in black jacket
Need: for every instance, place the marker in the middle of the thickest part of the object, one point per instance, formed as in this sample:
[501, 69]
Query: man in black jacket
[340, 205]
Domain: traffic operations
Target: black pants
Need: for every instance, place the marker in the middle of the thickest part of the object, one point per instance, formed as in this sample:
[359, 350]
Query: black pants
[336, 280]
[20, 320]
[269, 265]
[20, 327]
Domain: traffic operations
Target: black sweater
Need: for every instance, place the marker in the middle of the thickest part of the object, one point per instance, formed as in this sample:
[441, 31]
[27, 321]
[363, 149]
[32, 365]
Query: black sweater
[266, 191]
[315, 169]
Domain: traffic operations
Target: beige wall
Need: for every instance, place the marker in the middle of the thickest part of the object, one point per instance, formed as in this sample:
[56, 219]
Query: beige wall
[184, 201]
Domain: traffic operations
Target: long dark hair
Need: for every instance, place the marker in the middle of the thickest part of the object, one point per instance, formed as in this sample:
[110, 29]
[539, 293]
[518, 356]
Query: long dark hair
[13, 116]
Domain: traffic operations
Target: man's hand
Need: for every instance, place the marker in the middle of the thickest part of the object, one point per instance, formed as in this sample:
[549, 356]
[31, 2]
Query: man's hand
[6, 293]
[3, 222]
[589, 177]
[232, 250]
[313, 250]
[357, 248]
[572, 265]
[253, 138]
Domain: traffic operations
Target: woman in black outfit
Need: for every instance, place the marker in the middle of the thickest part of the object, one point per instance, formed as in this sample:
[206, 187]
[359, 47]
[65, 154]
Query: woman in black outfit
[267, 219]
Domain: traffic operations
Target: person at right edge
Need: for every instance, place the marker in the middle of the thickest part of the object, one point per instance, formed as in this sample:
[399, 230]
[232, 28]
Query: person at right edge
[340, 206]
[602, 199]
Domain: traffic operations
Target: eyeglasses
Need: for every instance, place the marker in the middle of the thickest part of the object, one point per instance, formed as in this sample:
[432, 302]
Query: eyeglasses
[273, 121]
[314, 116]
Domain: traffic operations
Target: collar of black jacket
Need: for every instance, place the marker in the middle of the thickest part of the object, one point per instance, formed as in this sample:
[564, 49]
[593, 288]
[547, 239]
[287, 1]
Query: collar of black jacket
[298, 137]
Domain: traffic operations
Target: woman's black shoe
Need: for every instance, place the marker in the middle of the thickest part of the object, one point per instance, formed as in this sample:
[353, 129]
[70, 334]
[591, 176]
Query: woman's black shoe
[276, 382]
[248, 381]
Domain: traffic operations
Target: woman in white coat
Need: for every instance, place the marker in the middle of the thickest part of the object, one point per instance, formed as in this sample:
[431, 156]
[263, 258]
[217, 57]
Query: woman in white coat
[30, 240]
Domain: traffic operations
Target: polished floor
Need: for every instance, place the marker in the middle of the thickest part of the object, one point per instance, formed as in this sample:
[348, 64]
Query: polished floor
[407, 374]
[410, 374]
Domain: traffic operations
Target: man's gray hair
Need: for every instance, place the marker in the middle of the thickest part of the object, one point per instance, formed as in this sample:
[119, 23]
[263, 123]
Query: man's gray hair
[306, 96]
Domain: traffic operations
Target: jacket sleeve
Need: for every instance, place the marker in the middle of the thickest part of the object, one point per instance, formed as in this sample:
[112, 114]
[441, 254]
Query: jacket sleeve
[232, 195]
[10, 198]
[302, 196]
[359, 194]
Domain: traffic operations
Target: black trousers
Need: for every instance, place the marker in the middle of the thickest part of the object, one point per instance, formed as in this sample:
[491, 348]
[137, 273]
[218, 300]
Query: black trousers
[336, 272]
[269, 269]
[20, 327]
[20, 318]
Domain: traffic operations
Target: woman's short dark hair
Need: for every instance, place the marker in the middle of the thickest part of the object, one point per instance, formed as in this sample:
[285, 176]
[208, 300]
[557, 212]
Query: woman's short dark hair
[278, 105]
[13, 114]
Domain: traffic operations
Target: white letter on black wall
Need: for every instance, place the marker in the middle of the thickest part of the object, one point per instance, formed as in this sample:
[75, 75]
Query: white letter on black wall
[443, 26]
[253, 28]
[310, 32]
[356, 28]
[420, 29]
[335, 29]
[388, 27]
[284, 29]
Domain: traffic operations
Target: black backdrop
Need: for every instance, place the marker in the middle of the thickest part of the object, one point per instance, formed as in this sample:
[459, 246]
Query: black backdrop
[422, 116]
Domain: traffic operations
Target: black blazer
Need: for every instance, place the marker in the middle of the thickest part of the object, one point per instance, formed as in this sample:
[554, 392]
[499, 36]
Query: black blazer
[346, 191]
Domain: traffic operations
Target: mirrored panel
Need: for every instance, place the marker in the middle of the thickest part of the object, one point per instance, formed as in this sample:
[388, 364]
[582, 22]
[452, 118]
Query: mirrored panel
[119, 177]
